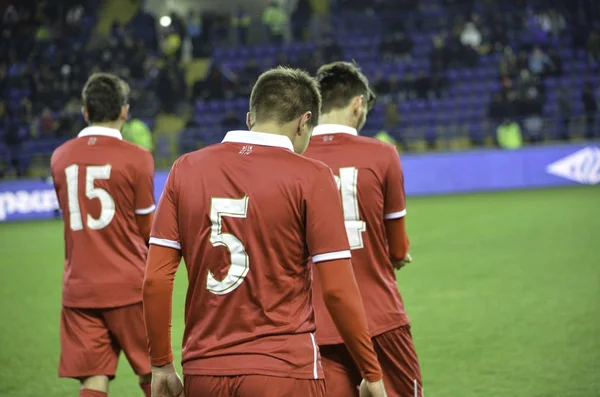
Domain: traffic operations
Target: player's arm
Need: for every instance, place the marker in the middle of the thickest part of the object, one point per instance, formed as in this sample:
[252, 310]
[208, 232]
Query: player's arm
[144, 195]
[144, 223]
[161, 267]
[328, 245]
[164, 257]
[394, 209]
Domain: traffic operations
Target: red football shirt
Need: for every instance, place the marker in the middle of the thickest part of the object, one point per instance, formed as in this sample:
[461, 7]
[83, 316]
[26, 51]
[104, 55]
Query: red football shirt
[371, 184]
[101, 183]
[247, 215]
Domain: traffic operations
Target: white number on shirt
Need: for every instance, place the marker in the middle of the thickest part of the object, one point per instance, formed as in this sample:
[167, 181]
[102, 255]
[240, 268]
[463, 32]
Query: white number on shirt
[238, 269]
[355, 227]
[107, 204]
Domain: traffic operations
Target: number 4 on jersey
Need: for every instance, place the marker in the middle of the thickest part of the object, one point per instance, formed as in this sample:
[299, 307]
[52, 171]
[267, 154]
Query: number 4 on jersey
[355, 227]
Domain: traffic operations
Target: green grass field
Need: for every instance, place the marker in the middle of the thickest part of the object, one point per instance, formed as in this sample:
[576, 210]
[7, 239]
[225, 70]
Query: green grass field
[503, 294]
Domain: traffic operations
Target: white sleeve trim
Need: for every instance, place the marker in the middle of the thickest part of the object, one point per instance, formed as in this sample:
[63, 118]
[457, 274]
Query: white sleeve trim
[329, 256]
[145, 211]
[165, 243]
[395, 215]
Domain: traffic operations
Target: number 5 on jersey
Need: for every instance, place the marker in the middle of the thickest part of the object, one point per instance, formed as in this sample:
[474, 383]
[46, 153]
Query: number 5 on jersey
[239, 262]
[107, 204]
[347, 183]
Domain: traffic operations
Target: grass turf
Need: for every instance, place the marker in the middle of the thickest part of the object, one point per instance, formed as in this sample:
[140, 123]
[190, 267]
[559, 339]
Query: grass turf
[504, 297]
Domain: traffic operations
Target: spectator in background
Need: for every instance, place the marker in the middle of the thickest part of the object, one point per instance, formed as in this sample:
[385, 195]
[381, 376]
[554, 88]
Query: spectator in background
[171, 46]
[533, 128]
[509, 135]
[498, 33]
[48, 124]
[72, 19]
[301, 17]
[136, 131]
[194, 30]
[471, 36]
[14, 137]
[406, 89]
[590, 107]
[439, 55]
[508, 63]
[392, 117]
[564, 111]
[522, 61]
[392, 126]
[331, 50]
[530, 97]
[241, 21]
[380, 85]
[276, 21]
[231, 122]
[396, 47]
[178, 25]
[556, 66]
[579, 31]
[117, 32]
[422, 85]
[496, 108]
[552, 22]
[438, 83]
[539, 62]
[593, 48]
[171, 87]
[247, 77]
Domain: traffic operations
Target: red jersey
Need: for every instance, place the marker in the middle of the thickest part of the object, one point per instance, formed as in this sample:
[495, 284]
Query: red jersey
[247, 215]
[371, 183]
[101, 183]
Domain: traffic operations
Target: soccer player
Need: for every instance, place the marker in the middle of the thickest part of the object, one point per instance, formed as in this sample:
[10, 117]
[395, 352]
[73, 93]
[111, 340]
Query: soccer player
[105, 189]
[247, 215]
[371, 184]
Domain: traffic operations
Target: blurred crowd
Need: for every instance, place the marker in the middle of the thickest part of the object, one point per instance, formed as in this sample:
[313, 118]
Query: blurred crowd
[49, 48]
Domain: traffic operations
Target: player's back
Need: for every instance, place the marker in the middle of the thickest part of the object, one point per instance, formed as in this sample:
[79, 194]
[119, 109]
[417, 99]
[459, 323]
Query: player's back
[241, 218]
[102, 182]
[366, 171]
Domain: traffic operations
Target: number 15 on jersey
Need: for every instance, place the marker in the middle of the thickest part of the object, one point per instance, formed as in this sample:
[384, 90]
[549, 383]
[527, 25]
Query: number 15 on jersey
[355, 227]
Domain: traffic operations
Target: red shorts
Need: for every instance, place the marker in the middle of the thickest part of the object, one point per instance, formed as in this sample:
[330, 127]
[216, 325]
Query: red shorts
[398, 359]
[92, 339]
[252, 386]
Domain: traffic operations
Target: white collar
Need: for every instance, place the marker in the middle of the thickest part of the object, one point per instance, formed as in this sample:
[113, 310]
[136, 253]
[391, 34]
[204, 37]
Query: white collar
[326, 129]
[259, 138]
[95, 130]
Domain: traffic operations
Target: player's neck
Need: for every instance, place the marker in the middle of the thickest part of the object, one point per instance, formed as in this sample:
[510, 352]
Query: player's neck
[273, 128]
[337, 117]
[116, 125]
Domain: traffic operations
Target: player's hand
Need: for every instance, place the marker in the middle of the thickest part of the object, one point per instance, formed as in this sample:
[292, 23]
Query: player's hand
[403, 262]
[166, 382]
[372, 389]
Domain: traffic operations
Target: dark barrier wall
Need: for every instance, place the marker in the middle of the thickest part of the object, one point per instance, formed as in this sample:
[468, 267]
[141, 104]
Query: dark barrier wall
[425, 174]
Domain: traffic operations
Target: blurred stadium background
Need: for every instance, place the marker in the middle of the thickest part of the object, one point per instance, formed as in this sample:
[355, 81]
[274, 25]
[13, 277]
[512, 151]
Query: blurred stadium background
[503, 294]
[450, 74]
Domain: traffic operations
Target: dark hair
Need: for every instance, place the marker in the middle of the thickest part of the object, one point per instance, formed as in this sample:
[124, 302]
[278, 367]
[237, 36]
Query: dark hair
[340, 82]
[283, 94]
[104, 95]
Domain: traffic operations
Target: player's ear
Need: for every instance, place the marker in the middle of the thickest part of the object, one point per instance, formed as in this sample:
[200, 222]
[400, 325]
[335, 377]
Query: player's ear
[124, 112]
[84, 112]
[249, 120]
[303, 123]
[357, 103]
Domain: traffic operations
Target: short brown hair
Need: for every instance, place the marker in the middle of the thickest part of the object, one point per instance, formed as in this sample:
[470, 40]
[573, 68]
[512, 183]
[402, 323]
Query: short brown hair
[283, 94]
[104, 95]
[340, 82]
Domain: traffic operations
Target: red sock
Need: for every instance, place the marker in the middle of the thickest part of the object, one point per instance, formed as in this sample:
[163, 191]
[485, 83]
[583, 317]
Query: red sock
[91, 393]
[147, 388]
